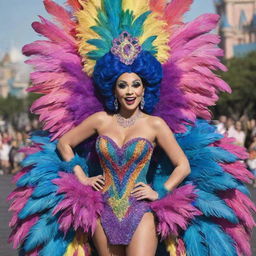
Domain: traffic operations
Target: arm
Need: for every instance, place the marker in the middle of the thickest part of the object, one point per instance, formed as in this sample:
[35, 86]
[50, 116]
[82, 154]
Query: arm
[74, 137]
[167, 141]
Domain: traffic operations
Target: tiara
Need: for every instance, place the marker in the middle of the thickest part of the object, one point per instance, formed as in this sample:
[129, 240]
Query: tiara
[126, 48]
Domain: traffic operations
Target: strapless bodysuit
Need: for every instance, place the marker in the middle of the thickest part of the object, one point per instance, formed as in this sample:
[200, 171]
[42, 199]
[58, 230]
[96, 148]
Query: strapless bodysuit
[123, 168]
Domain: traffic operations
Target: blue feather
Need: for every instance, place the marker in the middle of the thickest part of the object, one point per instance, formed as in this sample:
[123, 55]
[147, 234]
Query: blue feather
[43, 189]
[206, 238]
[194, 241]
[212, 205]
[46, 228]
[58, 244]
[39, 205]
[217, 240]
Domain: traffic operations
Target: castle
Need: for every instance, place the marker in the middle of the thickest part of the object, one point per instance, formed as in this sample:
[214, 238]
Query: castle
[14, 78]
[237, 26]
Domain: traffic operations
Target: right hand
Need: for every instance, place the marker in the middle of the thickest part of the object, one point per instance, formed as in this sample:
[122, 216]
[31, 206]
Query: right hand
[97, 182]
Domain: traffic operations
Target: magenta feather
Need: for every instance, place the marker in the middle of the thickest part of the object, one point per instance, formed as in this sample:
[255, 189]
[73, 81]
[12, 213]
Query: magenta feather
[241, 204]
[22, 229]
[238, 170]
[239, 235]
[175, 210]
[227, 143]
[81, 205]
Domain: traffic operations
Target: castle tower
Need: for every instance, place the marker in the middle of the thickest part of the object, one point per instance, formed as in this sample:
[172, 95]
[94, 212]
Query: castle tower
[237, 26]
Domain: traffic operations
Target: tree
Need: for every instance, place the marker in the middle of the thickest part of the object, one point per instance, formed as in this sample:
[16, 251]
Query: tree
[241, 77]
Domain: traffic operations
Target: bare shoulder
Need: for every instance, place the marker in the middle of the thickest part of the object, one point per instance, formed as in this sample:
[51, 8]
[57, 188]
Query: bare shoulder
[100, 116]
[157, 122]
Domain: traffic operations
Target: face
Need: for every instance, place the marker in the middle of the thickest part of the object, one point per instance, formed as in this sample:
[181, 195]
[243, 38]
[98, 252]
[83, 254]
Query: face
[238, 126]
[129, 91]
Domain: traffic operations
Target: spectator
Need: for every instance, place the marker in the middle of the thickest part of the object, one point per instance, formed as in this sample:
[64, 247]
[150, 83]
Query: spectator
[230, 129]
[252, 159]
[239, 134]
[221, 125]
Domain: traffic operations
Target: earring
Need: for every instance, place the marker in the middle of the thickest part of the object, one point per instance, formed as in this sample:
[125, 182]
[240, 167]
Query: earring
[142, 103]
[116, 103]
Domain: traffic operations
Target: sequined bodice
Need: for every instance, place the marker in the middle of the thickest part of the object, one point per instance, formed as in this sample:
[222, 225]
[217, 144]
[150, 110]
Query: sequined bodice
[123, 168]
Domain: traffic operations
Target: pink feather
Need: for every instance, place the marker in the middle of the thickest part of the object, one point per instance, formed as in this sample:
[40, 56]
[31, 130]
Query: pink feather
[239, 235]
[54, 33]
[175, 210]
[175, 11]
[81, 206]
[241, 204]
[60, 14]
[74, 4]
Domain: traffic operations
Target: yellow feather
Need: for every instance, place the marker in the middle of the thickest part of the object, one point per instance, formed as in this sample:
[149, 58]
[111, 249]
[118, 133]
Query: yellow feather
[170, 243]
[154, 26]
[137, 6]
[86, 19]
[77, 245]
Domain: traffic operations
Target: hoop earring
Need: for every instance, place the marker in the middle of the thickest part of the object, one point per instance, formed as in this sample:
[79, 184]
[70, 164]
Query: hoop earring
[116, 103]
[142, 103]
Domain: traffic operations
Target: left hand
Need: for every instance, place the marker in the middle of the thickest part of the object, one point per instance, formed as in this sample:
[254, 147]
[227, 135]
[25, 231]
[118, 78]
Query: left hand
[144, 191]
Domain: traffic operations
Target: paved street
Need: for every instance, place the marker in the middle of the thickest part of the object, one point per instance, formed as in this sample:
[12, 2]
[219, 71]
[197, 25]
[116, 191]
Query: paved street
[6, 187]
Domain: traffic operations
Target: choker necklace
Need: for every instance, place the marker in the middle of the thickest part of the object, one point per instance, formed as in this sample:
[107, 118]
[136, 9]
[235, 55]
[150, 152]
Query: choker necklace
[127, 122]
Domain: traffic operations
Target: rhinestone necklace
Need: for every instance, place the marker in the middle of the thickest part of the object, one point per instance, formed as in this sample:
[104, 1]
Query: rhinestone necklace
[127, 122]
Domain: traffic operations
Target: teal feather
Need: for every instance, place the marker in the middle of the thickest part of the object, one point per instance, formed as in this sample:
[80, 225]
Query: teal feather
[148, 43]
[137, 26]
[113, 11]
[100, 44]
[96, 54]
[212, 205]
[126, 20]
[103, 33]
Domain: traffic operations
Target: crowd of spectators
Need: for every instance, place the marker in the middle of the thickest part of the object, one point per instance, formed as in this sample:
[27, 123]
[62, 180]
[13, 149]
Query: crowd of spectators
[11, 141]
[244, 132]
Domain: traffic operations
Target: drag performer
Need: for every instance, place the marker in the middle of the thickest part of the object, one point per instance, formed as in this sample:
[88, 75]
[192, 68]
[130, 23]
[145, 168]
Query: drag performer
[128, 162]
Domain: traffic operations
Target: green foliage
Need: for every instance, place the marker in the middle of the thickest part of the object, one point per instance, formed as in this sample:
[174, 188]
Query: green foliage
[241, 77]
[11, 106]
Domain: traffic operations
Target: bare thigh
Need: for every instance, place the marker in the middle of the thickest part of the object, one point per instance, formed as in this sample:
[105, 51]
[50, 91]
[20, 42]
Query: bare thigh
[103, 247]
[144, 240]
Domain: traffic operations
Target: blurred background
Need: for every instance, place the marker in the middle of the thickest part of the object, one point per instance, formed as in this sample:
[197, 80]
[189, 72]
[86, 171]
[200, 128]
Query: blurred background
[234, 114]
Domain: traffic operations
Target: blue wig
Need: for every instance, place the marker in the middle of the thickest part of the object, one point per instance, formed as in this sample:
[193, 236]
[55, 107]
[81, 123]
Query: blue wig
[146, 66]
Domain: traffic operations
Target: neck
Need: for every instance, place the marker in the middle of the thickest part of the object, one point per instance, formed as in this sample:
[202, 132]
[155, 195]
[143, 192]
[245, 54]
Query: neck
[129, 113]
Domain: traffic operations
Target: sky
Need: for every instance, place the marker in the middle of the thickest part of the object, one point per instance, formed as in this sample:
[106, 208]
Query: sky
[16, 17]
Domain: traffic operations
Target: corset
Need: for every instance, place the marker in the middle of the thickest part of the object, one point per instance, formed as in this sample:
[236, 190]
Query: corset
[123, 168]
